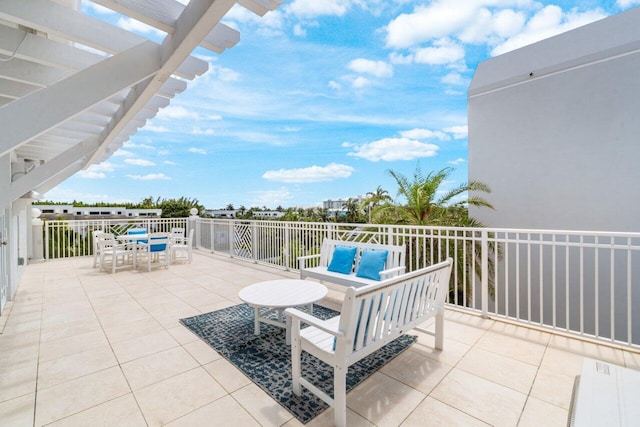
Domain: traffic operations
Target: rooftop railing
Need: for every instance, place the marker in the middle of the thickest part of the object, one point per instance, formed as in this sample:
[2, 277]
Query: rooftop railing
[578, 283]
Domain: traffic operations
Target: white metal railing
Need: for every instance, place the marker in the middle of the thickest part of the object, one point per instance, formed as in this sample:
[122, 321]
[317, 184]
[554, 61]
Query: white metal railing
[64, 239]
[581, 283]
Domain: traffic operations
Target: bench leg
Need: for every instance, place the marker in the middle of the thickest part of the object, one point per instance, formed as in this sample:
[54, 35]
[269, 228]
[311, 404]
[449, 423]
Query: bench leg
[439, 330]
[296, 354]
[339, 396]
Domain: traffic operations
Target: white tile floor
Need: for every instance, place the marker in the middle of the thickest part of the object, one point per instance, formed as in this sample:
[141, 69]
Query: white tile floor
[83, 348]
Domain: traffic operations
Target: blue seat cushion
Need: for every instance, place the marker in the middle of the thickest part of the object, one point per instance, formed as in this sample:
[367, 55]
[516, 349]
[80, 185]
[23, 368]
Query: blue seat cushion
[371, 264]
[342, 259]
[158, 247]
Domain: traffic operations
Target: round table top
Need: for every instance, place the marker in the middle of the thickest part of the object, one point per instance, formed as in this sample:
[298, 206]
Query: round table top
[283, 293]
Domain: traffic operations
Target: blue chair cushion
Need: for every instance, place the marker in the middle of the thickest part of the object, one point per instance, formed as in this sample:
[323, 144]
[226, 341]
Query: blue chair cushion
[342, 260]
[371, 264]
[158, 247]
[134, 232]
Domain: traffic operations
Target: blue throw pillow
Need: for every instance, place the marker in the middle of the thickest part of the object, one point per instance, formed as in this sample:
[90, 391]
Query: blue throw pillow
[342, 260]
[371, 264]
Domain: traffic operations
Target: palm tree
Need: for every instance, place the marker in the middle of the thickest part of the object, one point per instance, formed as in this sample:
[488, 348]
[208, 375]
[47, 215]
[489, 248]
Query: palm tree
[374, 199]
[426, 205]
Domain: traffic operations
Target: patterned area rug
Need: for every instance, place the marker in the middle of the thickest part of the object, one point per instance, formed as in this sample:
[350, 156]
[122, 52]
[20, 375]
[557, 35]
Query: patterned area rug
[266, 359]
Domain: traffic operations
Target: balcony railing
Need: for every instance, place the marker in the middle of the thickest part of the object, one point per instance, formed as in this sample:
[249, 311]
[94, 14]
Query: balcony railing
[579, 283]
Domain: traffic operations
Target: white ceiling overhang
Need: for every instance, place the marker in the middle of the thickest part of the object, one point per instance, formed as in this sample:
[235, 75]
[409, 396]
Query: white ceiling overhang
[74, 88]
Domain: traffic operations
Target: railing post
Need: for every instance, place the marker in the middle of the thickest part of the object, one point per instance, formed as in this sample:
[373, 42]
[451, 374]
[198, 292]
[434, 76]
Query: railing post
[46, 240]
[231, 238]
[287, 246]
[254, 241]
[484, 280]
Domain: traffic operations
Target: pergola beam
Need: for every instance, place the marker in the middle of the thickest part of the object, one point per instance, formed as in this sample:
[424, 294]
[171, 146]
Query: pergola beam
[40, 111]
[41, 174]
[194, 23]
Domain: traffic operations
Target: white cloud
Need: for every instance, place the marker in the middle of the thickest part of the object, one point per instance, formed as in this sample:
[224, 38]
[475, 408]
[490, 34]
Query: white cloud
[315, 8]
[627, 3]
[129, 144]
[215, 117]
[164, 152]
[157, 129]
[548, 22]
[424, 134]
[502, 24]
[197, 150]
[169, 162]
[139, 162]
[454, 79]
[224, 74]
[173, 112]
[271, 198]
[310, 174]
[88, 174]
[299, 31]
[123, 153]
[457, 161]
[150, 177]
[392, 149]
[101, 167]
[441, 18]
[360, 82]
[459, 132]
[443, 52]
[334, 85]
[198, 131]
[134, 25]
[374, 68]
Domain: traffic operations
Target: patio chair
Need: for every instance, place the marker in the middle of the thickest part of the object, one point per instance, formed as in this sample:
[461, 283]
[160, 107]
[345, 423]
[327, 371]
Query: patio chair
[96, 249]
[109, 247]
[157, 246]
[177, 235]
[185, 246]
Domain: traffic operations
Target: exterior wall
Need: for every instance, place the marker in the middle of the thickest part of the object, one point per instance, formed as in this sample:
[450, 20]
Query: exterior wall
[554, 130]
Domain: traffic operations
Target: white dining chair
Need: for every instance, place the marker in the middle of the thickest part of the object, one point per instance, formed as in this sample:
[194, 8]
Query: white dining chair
[156, 247]
[110, 248]
[184, 246]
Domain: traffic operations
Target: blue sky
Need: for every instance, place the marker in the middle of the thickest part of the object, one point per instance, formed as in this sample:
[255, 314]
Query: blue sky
[321, 98]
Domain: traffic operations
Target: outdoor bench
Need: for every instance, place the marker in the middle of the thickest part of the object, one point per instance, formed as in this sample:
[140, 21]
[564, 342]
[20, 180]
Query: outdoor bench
[371, 317]
[393, 266]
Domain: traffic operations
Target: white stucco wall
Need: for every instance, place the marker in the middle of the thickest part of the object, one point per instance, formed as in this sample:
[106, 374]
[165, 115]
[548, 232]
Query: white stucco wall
[554, 130]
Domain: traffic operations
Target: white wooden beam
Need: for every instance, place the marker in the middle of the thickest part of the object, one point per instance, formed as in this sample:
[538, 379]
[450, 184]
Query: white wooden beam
[163, 14]
[196, 21]
[25, 183]
[34, 114]
[66, 23]
[27, 72]
[46, 52]
[12, 89]
[59, 178]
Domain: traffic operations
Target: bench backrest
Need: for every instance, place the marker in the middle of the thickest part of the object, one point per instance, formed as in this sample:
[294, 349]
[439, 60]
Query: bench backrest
[379, 313]
[395, 257]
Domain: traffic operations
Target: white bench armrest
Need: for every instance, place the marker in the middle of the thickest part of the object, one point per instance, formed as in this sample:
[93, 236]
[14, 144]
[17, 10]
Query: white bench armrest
[392, 272]
[302, 261]
[297, 315]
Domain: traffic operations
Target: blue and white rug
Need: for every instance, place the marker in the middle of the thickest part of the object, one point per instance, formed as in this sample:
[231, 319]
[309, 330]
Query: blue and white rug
[266, 359]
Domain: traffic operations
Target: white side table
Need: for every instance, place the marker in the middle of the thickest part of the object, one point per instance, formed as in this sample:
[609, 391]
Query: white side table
[278, 295]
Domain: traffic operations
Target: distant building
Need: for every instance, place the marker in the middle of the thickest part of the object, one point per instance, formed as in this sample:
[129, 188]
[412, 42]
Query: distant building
[268, 214]
[73, 212]
[221, 213]
[336, 205]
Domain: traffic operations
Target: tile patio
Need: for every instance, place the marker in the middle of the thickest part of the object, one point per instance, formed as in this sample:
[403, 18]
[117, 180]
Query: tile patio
[80, 348]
